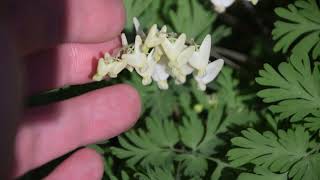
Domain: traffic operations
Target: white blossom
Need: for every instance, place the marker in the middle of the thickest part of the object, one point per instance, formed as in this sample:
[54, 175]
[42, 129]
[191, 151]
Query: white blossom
[200, 58]
[221, 5]
[138, 27]
[154, 37]
[160, 74]
[124, 40]
[137, 59]
[173, 49]
[111, 68]
[159, 55]
[212, 70]
[147, 71]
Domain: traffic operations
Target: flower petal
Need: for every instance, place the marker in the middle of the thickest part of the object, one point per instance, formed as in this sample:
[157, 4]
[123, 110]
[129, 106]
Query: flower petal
[160, 72]
[212, 71]
[200, 59]
[138, 27]
[185, 55]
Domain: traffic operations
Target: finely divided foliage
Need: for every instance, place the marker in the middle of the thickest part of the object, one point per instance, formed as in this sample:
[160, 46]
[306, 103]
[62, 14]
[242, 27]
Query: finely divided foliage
[295, 84]
[299, 29]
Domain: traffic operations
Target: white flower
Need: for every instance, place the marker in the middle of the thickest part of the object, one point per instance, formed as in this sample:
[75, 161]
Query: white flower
[200, 58]
[160, 75]
[124, 40]
[137, 59]
[211, 73]
[138, 28]
[147, 71]
[154, 37]
[112, 68]
[173, 50]
[180, 67]
[221, 5]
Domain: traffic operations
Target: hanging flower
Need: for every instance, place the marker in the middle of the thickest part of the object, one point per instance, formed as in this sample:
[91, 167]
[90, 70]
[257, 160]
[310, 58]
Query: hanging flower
[160, 75]
[212, 70]
[221, 5]
[137, 59]
[158, 55]
[147, 71]
[200, 58]
[173, 49]
[109, 66]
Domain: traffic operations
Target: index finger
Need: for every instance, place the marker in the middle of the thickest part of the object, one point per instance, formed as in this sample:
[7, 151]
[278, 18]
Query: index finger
[40, 24]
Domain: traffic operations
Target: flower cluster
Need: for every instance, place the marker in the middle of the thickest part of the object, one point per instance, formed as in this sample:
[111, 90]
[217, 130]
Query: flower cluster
[221, 5]
[158, 55]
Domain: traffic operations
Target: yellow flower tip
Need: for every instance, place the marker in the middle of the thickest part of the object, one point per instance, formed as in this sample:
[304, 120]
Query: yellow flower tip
[146, 81]
[130, 68]
[201, 72]
[97, 77]
[163, 85]
[254, 2]
[145, 49]
[198, 108]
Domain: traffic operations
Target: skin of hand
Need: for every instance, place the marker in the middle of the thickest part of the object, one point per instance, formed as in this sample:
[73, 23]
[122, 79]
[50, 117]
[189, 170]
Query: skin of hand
[46, 44]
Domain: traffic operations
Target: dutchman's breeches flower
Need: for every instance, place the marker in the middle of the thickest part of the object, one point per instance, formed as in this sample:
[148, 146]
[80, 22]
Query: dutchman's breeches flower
[211, 72]
[158, 55]
[200, 59]
[221, 5]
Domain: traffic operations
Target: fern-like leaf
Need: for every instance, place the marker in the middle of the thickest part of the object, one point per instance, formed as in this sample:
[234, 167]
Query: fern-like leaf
[262, 174]
[278, 153]
[300, 29]
[156, 174]
[191, 18]
[286, 152]
[295, 87]
[148, 148]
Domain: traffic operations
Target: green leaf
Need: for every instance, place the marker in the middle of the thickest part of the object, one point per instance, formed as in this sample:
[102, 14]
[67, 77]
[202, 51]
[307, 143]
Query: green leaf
[191, 18]
[210, 140]
[191, 132]
[313, 123]
[299, 29]
[295, 87]
[160, 103]
[152, 15]
[134, 8]
[307, 168]
[97, 148]
[124, 176]
[156, 174]
[148, 148]
[193, 165]
[278, 153]
[262, 174]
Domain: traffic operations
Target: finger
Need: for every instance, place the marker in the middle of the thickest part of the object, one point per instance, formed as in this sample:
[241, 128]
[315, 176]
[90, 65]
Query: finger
[82, 165]
[39, 24]
[53, 130]
[66, 64]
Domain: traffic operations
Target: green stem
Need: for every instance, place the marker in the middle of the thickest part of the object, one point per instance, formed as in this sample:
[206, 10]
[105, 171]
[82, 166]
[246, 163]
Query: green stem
[216, 160]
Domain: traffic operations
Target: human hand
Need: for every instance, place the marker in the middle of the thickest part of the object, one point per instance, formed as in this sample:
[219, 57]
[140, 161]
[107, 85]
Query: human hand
[57, 42]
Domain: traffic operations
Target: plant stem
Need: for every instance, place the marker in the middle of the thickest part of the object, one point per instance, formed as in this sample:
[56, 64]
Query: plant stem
[216, 160]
